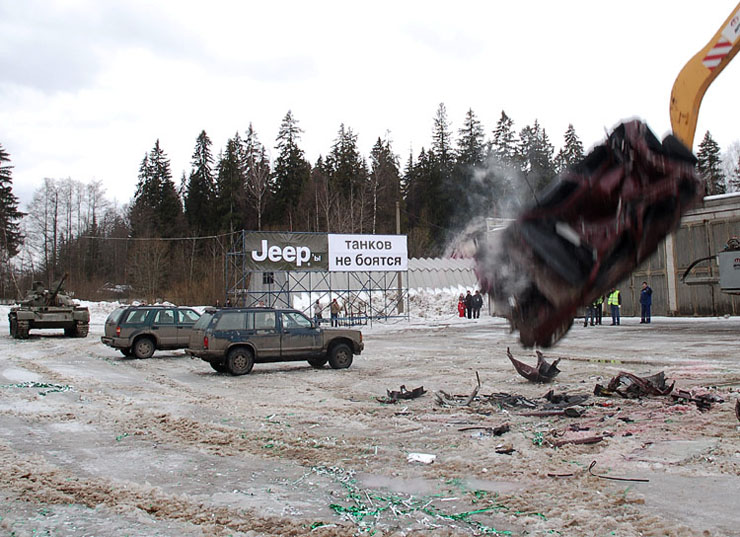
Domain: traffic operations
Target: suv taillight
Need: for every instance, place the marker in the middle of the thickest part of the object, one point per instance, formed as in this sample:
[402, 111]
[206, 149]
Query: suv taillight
[118, 331]
[205, 342]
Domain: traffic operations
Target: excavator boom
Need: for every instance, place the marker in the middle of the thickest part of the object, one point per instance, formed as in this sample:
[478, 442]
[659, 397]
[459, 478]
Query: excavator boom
[696, 76]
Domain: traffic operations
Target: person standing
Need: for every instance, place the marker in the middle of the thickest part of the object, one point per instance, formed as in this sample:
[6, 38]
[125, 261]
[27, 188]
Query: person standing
[614, 301]
[334, 309]
[646, 301]
[317, 309]
[599, 305]
[477, 304]
[469, 305]
[590, 314]
[461, 306]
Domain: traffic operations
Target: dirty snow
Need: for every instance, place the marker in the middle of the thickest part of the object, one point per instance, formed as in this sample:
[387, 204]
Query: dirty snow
[92, 443]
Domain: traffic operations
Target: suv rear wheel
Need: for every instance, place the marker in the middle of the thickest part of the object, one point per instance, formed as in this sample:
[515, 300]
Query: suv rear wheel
[240, 361]
[143, 348]
[340, 356]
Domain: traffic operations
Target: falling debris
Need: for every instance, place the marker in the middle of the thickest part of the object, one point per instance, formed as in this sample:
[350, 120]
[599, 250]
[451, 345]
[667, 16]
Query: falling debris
[394, 396]
[587, 231]
[631, 386]
[543, 372]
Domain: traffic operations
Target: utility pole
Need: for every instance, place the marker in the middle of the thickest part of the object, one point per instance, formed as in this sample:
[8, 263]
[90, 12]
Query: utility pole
[400, 280]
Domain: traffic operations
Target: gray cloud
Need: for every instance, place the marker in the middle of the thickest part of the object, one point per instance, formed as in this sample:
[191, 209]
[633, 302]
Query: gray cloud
[52, 49]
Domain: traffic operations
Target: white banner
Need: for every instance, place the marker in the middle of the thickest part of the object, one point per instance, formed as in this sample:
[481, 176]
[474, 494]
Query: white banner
[387, 253]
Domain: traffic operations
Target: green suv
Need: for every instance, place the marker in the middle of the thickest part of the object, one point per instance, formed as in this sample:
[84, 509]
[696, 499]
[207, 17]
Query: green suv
[233, 339]
[140, 330]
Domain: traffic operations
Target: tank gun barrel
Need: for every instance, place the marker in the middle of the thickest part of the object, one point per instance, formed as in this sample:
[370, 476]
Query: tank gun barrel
[53, 295]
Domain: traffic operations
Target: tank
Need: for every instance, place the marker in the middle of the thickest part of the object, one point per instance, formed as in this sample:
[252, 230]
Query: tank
[45, 308]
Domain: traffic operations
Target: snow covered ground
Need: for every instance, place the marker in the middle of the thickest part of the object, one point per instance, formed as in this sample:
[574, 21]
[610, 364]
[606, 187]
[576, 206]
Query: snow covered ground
[92, 443]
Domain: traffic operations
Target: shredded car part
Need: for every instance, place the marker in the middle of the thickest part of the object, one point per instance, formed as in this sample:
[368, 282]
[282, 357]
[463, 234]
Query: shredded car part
[631, 386]
[587, 231]
[543, 372]
[402, 393]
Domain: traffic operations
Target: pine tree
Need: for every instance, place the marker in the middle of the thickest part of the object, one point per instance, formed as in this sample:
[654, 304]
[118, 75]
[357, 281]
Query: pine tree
[504, 142]
[156, 210]
[256, 167]
[385, 187]
[571, 152]
[200, 192]
[348, 175]
[710, 166]
[471, 156]
[535, 156]
[471, 143]
[11, 238]
[231, 193]
[291, 173]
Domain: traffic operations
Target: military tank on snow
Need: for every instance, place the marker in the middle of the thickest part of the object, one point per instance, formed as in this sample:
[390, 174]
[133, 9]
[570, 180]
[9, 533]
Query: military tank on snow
[44, 308]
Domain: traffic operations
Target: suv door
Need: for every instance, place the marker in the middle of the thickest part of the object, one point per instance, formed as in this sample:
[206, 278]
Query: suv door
[264, 334]
[299, 337]
[186, 319]
[164, 328]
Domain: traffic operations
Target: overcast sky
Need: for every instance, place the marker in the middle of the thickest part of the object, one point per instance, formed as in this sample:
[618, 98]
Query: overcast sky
[87, 87]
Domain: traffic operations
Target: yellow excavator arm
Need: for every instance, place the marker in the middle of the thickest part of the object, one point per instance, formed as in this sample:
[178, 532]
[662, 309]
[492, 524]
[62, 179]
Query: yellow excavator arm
[698, 74]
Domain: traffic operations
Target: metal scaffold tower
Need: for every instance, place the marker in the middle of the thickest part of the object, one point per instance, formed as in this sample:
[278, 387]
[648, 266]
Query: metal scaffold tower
[365, 296]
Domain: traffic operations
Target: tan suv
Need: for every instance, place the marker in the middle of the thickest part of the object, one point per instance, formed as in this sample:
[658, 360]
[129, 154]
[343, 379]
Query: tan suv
[233, 339]
[140, 330]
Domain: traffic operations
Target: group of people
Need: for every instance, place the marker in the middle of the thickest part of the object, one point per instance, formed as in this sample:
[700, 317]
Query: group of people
[469, 305]
[614, 301]
[334, 308]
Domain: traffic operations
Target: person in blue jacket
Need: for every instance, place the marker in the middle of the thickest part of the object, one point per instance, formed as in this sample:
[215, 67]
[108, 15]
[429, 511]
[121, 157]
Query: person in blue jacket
[646, 300]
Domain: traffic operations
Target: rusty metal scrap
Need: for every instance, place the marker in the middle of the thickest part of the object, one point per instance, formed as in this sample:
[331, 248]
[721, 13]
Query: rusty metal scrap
[703, 401]
[543, 372]
[630, 479]
[631, 386]
[577, 441]
[494, 431]
[394, 396]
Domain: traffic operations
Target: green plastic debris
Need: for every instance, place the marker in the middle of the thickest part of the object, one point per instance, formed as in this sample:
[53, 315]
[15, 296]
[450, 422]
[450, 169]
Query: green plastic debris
[365, 507]
[48, 387]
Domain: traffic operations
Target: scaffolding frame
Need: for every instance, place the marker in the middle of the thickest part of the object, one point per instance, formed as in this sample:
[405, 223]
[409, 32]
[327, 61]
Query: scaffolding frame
[366, 296]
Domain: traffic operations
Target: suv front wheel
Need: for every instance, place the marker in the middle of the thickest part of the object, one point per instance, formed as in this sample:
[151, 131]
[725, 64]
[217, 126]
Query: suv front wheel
[240, 361]
[340, 356]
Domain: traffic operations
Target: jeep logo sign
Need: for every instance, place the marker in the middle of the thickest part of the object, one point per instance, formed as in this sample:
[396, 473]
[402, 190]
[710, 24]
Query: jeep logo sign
[285, 251]
[290, 254]
[278, 251]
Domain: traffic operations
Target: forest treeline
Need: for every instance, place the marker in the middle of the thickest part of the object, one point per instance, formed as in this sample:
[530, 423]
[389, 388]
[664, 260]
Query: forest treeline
[170, 241]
